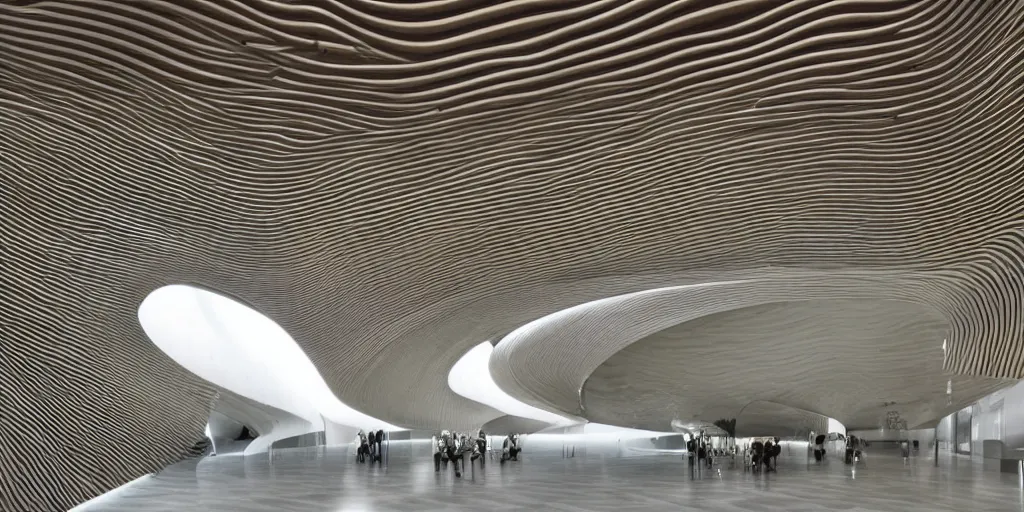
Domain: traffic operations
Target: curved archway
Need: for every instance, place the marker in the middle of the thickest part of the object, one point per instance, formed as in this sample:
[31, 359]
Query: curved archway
[242, 351]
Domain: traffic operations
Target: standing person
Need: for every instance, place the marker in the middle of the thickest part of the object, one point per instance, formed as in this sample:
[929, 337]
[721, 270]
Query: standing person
[378, 440]
[456, 449]
[769, 450]
[480, 451]
[439, 448]
[363, 447]
[445, 451]
[775, 454]
[756, 455]
[819, 447]
[371, 444]
[702, 451]
[709, 451]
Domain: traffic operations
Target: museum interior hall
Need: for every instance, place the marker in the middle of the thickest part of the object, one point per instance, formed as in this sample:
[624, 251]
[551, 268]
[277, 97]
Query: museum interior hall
[574, 255]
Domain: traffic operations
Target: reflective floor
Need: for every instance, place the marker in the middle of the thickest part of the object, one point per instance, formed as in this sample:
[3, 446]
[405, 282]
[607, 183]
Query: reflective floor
[318, 480]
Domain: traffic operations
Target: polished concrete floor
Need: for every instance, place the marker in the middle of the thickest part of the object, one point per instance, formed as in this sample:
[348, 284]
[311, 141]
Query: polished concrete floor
[318, 480]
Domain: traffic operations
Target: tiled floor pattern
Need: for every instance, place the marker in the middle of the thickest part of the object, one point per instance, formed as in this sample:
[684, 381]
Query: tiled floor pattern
[331, 481]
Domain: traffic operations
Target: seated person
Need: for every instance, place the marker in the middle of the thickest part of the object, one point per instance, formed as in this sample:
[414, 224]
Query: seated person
[510, 448]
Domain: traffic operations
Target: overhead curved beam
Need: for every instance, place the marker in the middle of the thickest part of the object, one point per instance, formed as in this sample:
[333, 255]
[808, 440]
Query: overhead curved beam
[763, 418]
[546, 362]
[851, 359]
[505, 425]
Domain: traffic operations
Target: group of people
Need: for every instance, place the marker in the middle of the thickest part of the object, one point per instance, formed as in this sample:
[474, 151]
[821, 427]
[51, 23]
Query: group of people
[452, 448]
[698, 448]
[853, 452]
[369, 446]
[760, 452]
[766, 453]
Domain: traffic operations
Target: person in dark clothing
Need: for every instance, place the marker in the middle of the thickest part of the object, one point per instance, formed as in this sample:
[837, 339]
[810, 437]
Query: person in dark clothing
[363, 448]
[510, 448]
[756, 455]
[819, 447]
[447, 450]
[457, 455]
[377, 445]
[776, 451]
[769, 450]
[481, 448]
[371, 444]
[852, 449]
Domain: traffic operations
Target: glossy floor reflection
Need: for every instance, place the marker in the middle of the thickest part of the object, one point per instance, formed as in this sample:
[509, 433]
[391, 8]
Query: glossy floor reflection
[318, 480]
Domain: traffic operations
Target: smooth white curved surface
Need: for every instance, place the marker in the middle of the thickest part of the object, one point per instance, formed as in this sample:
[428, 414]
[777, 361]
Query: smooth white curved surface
[596, 433]
[470, 377]
[835, 425]
[575, 357]
[243, 351]
[269, 423]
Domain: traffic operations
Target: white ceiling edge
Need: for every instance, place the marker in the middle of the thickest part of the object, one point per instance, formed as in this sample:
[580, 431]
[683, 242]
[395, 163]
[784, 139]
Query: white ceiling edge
[241, 350]
[535, 338]
[601, 432]
[470, 378]
[835, 426]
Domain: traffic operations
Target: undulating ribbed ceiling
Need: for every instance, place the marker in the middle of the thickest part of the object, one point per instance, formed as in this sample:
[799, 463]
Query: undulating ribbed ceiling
[395, 183]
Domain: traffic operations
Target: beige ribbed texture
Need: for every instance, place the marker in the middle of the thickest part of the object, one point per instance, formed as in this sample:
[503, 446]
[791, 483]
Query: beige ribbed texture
[394, 183]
